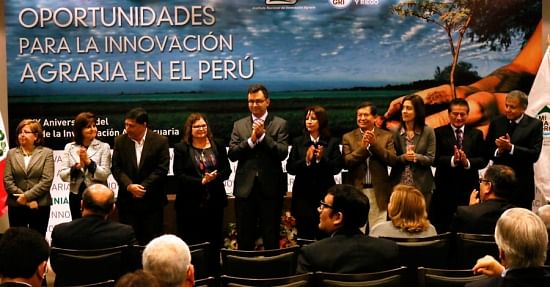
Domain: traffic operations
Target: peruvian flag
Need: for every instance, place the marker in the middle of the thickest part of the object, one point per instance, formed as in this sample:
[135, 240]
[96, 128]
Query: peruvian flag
[3, 153]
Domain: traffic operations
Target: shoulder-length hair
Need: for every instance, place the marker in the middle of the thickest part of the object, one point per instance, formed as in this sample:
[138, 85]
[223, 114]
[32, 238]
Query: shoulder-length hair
[188, 126]
[407, 209]
[322, 118]
[36, 128]
[81, 121]
[419, 110]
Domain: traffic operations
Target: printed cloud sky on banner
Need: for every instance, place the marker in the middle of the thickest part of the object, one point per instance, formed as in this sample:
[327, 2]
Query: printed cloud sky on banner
[320, 47]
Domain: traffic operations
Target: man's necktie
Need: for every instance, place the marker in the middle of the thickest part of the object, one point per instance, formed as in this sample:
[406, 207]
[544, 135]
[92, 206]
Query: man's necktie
[459, 138]
[511, 127]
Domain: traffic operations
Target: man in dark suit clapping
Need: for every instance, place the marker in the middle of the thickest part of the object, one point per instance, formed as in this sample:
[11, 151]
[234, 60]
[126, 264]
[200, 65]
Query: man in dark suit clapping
[259, 142]
[515, 140]
[140, 164]
[460, 154]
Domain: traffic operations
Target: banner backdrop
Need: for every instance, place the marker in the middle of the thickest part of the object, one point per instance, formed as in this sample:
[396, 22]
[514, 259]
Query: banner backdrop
[178, 57]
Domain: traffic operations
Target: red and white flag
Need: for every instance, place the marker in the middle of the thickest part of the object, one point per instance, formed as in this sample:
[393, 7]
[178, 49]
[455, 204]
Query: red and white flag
[3, 153]
[539, 107]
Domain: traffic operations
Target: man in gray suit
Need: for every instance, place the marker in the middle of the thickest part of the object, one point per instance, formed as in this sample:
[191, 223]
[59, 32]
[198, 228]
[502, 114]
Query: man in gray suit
[259, 142]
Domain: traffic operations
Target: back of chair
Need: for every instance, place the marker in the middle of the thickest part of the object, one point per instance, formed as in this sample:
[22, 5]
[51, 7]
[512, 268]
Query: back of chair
[387, 278]
[206, 282]
[304, 241]
[108, 283]
[433, 251]
[260, 264]
[471, 247]
[81, 267]
[428, 277]
[301, 280]
[199, 259]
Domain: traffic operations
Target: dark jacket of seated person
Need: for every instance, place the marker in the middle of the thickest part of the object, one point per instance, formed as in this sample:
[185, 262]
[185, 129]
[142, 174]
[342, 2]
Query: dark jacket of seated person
[93, 230]
[342, 212]
[522, 241]
[495, 188]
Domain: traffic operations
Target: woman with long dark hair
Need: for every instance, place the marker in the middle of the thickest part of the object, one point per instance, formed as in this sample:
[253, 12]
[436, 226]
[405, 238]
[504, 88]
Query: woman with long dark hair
[415, 148]
[314, 159]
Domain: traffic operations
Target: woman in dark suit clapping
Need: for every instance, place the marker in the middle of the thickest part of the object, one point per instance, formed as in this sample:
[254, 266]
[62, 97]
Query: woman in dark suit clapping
[28, 176]
[201, 166]
[314, 159]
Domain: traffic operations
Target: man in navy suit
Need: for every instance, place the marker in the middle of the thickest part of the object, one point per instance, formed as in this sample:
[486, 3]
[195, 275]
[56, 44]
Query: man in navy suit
[140, 164]
[487, 204]
[259, 142]
[515, 140]
[347, 250]
[93, 230]
[23, 258]
[460, 154]
[522, 241]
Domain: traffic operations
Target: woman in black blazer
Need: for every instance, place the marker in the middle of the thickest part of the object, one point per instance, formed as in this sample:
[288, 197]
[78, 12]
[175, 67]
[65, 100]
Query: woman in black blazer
[201, 166]
[314, 159]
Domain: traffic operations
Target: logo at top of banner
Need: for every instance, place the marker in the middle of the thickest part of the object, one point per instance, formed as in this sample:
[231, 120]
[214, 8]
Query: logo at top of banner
[340, 4]
[280, 2]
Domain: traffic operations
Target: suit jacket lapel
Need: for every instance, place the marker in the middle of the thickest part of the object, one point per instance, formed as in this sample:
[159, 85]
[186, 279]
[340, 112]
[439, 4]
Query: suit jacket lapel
[34, 158]
[19, 159]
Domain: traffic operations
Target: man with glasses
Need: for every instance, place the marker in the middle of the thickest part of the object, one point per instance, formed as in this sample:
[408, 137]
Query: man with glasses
[460, 154]
[486, 205]
[259, 142]
[347, 250]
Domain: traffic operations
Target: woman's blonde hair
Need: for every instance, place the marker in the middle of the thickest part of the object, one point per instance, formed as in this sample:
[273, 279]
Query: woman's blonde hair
[407, 209]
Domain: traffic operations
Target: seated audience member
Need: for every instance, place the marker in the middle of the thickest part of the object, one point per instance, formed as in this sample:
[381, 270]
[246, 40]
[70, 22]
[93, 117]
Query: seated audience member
[544, 214]
[94, 230]
[138, 278]
[408, 216]
[23, 257]
[168, 258]
[522, 241]
[495, 190]
[342, 213]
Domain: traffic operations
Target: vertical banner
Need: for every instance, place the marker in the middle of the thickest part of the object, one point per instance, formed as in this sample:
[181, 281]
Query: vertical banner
[539, 106]
[3, 153]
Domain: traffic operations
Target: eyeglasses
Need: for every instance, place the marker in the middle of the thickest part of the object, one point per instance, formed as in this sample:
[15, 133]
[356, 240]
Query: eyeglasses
[200, 127]
[481, 180]
[323, 205]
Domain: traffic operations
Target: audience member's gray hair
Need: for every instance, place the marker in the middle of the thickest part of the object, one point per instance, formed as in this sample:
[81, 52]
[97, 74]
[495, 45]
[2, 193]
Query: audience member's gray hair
[168, 258]
[522, 236]
[544, 214]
